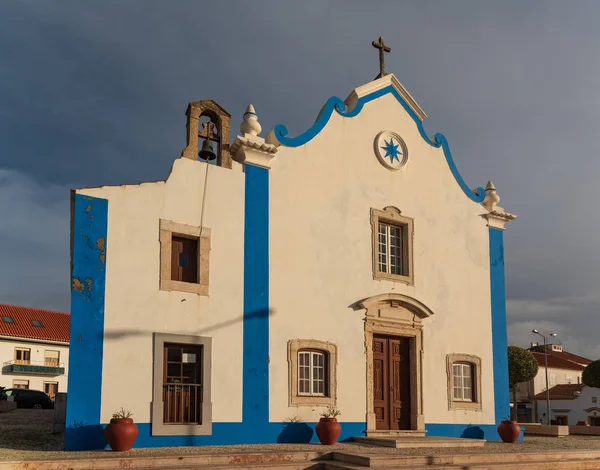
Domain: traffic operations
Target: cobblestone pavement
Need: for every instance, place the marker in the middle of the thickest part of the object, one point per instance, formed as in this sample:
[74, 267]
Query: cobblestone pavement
[26, 434]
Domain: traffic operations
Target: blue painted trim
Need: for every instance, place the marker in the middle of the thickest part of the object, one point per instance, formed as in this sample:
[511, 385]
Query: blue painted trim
[88, 277]
[489, 432]
[229, 434]
[250, 112]
[499, 334]
[255, 381]
[337, 104]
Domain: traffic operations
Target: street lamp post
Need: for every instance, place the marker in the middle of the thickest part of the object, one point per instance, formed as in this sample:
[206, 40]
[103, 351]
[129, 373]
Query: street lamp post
[546, 367]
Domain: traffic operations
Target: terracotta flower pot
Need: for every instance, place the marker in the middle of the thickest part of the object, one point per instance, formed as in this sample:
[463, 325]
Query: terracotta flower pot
[328, 431]
[509, 431]
[121, 434]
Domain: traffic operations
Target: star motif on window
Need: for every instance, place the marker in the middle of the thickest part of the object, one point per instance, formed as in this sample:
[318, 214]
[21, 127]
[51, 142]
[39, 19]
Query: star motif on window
[391, 150]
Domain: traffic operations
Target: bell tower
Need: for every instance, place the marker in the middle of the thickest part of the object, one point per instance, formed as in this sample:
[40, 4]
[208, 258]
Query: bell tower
[208, 126]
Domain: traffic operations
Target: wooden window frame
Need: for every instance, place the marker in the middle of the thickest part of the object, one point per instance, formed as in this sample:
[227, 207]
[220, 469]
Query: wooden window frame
[312, 353]
[158, 427]
[22, 361]
[168, 229]
[330, 351]
[48, 383]
[392, 216]
[475, 362]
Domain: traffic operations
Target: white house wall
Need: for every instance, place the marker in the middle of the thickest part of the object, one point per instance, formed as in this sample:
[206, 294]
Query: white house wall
[576, 407]
[135, 308]
[321, 259]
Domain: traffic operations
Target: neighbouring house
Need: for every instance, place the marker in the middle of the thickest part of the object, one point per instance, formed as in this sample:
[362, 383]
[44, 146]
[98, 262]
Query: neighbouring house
[349, 266]
[564, 368]
[34, 349]
[570, 404]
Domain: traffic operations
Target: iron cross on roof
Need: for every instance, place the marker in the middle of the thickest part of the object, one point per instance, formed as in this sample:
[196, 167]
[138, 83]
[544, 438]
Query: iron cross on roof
[382, 49]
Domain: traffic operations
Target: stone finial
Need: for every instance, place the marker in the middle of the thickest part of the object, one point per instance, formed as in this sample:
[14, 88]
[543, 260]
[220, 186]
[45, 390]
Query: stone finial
[250, 124]
[491, 199]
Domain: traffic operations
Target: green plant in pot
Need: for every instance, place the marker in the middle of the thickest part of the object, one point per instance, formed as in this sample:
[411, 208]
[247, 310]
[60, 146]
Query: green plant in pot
[121, 432]
[328, 429]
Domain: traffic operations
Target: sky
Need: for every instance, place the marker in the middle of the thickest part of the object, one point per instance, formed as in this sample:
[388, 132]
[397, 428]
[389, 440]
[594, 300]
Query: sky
[95, 93]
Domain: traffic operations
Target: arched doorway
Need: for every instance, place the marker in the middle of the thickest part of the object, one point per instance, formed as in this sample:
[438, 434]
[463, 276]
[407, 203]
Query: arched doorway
[394, 354]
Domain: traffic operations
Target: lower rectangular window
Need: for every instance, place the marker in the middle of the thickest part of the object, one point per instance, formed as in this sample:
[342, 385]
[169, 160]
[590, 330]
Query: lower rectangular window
[21, 384]
[182, 384]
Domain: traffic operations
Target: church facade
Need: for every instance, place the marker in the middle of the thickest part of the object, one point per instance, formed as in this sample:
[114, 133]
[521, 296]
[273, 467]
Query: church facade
[349, 266]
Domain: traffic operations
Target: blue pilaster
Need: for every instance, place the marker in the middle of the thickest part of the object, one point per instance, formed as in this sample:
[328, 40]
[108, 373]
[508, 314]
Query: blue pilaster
[88, 277]
[499, 335]
[255, 406]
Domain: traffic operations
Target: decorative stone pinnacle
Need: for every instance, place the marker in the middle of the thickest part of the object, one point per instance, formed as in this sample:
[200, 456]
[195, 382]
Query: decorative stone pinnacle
[491, 196]
[250, 124]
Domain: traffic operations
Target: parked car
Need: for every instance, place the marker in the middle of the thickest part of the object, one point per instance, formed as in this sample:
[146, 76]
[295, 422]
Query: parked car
[30, 398]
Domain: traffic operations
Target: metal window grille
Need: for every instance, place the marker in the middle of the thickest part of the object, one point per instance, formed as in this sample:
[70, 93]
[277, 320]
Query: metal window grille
[311, 373]
[390, 251]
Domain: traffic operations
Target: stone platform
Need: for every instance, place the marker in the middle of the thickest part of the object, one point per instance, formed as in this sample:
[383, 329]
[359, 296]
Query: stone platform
[324, 460]
[412, 442]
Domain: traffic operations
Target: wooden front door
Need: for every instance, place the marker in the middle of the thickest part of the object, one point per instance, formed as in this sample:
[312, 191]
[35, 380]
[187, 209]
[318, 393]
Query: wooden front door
[391, 382]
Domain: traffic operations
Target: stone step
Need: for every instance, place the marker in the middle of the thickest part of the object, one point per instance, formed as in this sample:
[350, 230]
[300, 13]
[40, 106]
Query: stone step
[418, 442]
[502, 460]
[538, 465]
[250, 459]
[403, 433]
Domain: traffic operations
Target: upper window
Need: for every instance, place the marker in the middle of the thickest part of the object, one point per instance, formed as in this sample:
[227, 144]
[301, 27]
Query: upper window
[392, 245]
[184, 257]
[51, 358]
[312, 372]
[552, 379]
[22, 356]
[7, 319]
[464, 382]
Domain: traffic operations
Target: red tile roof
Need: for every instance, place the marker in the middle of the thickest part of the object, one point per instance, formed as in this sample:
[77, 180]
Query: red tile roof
[562, 392]
[56, 325]
[556, 362]
[562, 354]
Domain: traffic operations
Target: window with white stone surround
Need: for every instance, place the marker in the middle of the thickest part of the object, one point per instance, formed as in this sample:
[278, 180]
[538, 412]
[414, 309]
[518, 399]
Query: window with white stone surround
[392, 245]
[312, 372]
[464, 381]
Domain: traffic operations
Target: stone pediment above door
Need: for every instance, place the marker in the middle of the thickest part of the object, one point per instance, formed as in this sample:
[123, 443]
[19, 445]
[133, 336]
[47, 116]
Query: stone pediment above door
[395, 307]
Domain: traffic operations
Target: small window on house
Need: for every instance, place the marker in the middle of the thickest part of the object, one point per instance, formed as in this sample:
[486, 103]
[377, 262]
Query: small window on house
[312, 372]
[22, 356]
[552, 379]
[392, 245]
[184, 259]
[37, 323]
[594, 399]
[569, 379]
[24, 384]
[464, 382]
[462, 376]
[312, 380]
[51, 358]
[7, 319]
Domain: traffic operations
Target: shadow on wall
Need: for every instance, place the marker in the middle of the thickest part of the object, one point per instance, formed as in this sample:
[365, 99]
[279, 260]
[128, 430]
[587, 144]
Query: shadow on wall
[295, 433]
[251, 316]
[473, 432]
[82, 437]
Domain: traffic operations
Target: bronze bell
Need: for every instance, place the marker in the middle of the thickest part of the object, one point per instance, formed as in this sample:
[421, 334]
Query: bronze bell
[207, 152]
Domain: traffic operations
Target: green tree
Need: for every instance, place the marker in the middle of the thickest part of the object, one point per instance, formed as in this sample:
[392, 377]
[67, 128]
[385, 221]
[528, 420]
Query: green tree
[591, 374]
[522, 367]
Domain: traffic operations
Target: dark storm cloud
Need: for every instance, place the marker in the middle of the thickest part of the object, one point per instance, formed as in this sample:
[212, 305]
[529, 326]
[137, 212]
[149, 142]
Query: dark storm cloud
[95, 93]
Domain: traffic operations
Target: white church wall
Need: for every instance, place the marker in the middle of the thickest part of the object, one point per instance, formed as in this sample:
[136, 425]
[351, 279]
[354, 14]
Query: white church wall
[321, 259]
[135, 308]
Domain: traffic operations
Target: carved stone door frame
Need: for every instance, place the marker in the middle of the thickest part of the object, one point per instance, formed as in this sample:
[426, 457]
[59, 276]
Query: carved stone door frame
[397, 315]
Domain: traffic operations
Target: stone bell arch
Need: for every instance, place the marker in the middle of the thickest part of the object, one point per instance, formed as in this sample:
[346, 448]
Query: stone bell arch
[216, 130]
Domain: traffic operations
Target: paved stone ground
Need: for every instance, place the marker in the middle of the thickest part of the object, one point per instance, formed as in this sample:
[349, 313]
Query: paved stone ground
[27, 434]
